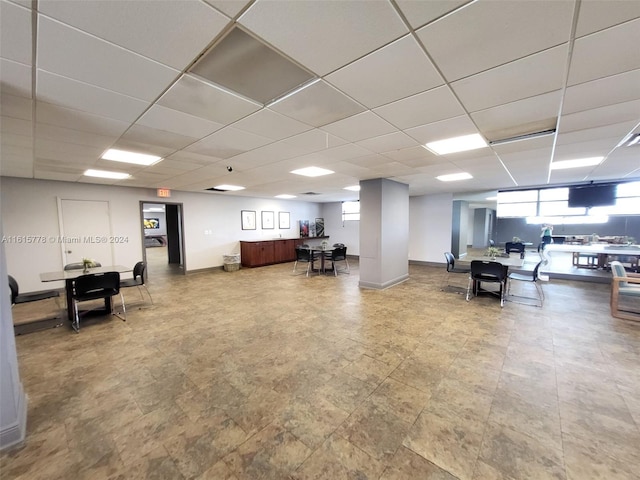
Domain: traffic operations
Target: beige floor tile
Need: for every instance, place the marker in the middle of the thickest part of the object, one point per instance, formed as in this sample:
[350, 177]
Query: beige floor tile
[229, 376]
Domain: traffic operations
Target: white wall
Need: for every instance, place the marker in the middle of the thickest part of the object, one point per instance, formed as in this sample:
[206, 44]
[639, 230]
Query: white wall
[29, 207]
[347, 233]
[430, 223]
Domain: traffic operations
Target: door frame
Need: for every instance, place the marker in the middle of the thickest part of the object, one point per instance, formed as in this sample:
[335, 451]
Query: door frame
[182, 233]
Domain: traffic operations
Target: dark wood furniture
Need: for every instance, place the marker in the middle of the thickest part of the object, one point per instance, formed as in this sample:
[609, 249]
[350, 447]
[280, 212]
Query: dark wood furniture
[268, 252]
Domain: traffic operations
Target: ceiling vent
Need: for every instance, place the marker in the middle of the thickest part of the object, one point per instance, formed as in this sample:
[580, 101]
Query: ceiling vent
[310, 193]
[526, 136]
[214, 189]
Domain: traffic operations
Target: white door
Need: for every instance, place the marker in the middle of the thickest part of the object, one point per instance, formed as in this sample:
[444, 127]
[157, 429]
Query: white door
[85, 227]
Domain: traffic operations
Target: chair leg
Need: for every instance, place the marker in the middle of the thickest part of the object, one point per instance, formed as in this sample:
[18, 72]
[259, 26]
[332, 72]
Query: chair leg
[148, 293]
[469, 288]
[294, 266]
[75, 324]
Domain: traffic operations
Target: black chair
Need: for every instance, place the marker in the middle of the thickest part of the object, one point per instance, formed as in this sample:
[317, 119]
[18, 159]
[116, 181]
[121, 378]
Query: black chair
[527, 277]
[94, 286]
[138, 280]
[483, 271]
[17, 297]
[339, 254]
[303, 254]
[452, 269]
[79, 265]
[517, 247]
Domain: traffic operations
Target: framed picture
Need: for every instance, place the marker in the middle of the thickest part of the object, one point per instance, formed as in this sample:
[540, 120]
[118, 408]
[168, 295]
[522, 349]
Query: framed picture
[248, 219]
[267, 220]
[304, 228]
[319, 227]
[284, 220]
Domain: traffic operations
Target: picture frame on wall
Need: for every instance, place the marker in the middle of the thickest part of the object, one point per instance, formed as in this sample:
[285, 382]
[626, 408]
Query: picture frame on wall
[319, 227]
[267, 220]
[248, 219]
[284, 220]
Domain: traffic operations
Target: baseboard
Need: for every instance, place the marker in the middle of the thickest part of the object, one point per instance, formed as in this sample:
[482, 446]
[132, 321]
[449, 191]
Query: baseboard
[382, 286]
[14, 433]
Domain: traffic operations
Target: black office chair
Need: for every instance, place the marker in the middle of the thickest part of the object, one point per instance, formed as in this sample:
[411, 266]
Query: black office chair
[138, 280]
[339, 254]
[79, 265]
[516, 247]
[483, 271]
[527, 277]
[303, 254]
[452, 269]
[94, 286]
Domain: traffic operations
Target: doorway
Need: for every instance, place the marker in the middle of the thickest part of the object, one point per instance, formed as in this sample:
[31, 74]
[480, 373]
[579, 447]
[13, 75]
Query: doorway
[163, 234]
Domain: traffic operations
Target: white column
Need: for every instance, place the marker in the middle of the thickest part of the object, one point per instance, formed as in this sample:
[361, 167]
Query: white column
[13, 404]
[384, 233]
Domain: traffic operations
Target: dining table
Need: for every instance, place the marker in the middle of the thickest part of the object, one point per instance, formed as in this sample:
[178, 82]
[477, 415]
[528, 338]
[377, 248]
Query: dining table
[322, 250]
[68, 276]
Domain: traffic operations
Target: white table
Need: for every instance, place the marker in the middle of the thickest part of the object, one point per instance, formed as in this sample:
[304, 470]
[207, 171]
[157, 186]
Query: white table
[599, 252]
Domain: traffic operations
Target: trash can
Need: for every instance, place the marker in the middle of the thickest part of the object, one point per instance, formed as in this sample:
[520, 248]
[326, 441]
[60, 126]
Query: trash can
[231, 262]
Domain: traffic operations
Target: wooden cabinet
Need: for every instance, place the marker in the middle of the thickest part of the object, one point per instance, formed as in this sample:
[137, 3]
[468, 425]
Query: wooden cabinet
[257, 254]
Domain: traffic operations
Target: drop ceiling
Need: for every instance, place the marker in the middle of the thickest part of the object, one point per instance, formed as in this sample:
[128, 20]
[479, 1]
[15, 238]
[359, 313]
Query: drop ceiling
[355, 87]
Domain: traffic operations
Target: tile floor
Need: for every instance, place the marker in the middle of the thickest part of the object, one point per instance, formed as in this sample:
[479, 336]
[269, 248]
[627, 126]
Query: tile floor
[260, 374]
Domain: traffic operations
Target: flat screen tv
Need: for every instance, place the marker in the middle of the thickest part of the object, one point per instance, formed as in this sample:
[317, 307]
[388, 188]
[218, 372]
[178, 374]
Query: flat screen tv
[592, 195]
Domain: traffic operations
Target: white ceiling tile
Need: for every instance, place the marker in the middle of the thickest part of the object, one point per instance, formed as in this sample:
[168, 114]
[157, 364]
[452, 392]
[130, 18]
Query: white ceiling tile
[612, 47]
[314, 140]
[344, 152]
[505, 30]
[388, 143]
[87, 98]
[616, 130]
[396, 71]
[506, 83]
[188, 158]
[605, 91]
[324, 36]
[153, 136]
[15, 126]
[16, 106]
[15, 78]
[15, 33]
[15, 140]
[78, 137]
[46, 148]
[532, 114]
[270, 124]
[427, 107]
[229, 7]
[196, 97]
[50, 114]
[147, 28]
[598, 117]
[263, 156]
[74, 54]
[421, 13]
[318, 104]
[228, 142]
[358, 127]
[595, 148]
[600, 14]
[452, 127]
[169, 120]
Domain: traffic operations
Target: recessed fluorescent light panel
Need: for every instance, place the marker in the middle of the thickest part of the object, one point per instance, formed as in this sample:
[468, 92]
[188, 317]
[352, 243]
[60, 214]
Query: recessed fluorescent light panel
[312, 171]
[491, 198]
[577, 163]
[232, 188]
[453, 177]
[105, 174]
[130, 157]
[353, 188]
[285, 195]
[456, 144]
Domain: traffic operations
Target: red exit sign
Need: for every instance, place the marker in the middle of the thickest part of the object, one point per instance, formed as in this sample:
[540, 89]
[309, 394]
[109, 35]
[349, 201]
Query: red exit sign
[164, 192]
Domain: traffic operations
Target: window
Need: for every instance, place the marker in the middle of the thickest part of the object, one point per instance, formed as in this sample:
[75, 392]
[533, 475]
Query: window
[553, 203]
[350, 211]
